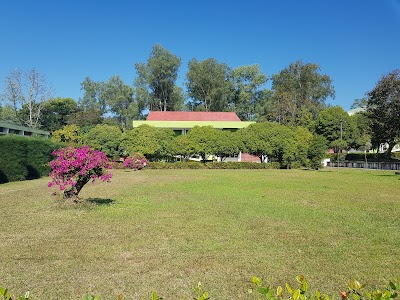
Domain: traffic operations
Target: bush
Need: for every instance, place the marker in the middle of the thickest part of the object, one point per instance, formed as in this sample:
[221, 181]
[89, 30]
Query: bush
[24, 158]
[213, 165]
[135, 161]
[373, 157]
[74, 167]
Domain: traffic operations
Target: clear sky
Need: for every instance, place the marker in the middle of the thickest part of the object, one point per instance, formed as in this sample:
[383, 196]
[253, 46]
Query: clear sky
[355, 42]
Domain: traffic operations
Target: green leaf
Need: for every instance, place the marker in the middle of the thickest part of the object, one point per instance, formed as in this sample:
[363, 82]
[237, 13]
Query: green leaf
[296, 294]
[263, 290]
[394, 295]
[392, 285]
[154, 296]
[279, 291]
[256, 280]
[318, 294]
[289, 288]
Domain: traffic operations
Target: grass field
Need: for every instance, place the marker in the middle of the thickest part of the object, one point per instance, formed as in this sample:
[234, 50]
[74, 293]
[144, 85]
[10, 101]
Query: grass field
[166, 230]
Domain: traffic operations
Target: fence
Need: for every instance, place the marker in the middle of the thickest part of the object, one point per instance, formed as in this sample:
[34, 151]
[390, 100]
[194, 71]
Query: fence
[366, 165]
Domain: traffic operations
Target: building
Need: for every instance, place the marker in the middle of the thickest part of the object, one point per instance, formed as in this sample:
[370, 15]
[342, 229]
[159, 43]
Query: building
[8, 128]
[182, 121]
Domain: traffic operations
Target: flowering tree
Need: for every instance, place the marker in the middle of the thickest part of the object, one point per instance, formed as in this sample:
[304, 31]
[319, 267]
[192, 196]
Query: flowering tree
[135, 161]
[74, 167]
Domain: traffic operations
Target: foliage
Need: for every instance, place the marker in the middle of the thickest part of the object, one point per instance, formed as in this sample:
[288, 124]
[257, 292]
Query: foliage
[372, 157]
[105, 138]
[317, 151]
[213, 165]
[270, 140]
[337, 127]
[6, 295]
[183, 147]
[69, 134]
[156, 80]
[227, 144]
[56, 113]
[248, 81]
[8, 114]
[92, 99]
[135, 161]
[24, 158]
[209, 85]
[300, 92]
[86, 119]
[118, 97]
[261, 290]
[383, 109]
[154, 143]
[303, 144]
[74, 167]
[205, 140]
[362, 136]
[113, 96]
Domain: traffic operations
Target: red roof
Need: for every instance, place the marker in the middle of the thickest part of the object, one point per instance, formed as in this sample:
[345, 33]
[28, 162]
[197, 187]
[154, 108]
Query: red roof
[191, 116]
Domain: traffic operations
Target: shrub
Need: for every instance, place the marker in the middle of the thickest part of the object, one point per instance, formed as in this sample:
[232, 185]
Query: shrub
[373, 157]
[213, 165]
[24, 158]
[135, 161]
[74, 167]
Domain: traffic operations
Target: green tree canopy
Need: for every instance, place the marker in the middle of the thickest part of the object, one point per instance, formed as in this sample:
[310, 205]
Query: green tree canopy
[57, 111]
[209, 85]
[337, 127]
[248, 82]
[105, 138]
[69, 134]
[154, 143]
[299, 91]
[156, 80]
[272, 140]
[119, 99]
[205, 139]
[383, 109]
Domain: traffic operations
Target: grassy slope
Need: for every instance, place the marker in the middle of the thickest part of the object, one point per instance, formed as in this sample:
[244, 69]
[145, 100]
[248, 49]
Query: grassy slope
[168, 229]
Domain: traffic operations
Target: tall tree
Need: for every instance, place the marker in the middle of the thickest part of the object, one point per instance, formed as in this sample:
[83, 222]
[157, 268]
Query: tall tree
[247, 81]
[28, 89]
[92, 100]
[57, 111]
[337, 127]
[209, 84]
[300, 91]
[118, 97]
[383, 109]
[157, 77]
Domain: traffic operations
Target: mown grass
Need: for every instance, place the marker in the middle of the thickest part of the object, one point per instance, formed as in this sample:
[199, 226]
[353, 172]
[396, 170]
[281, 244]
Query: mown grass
[166, 230]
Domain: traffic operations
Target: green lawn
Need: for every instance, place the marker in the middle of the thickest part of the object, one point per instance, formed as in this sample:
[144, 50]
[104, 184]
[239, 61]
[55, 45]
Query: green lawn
[166, 230]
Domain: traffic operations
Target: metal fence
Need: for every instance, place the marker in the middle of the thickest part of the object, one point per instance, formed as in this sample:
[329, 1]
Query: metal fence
[366, 165]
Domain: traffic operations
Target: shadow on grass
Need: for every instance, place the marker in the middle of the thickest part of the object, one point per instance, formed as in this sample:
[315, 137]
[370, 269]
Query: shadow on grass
[100, 201]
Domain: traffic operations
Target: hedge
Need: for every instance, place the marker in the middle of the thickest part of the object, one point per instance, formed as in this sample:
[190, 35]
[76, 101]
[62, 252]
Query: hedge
[213, 165]
[24, 158]
[373, 157]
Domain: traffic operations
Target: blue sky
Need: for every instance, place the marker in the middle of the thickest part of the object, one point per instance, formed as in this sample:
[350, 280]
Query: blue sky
[355, 42]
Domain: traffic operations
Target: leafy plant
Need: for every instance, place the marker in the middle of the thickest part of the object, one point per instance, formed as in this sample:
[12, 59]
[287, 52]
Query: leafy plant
[135, 161]
[74, 167]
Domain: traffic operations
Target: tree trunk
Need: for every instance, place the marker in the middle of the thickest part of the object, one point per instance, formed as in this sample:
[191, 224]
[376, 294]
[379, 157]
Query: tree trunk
[388, 153]
[73, 192]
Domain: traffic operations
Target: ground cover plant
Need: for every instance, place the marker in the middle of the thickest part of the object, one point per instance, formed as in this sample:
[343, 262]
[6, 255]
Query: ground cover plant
[166, 230]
